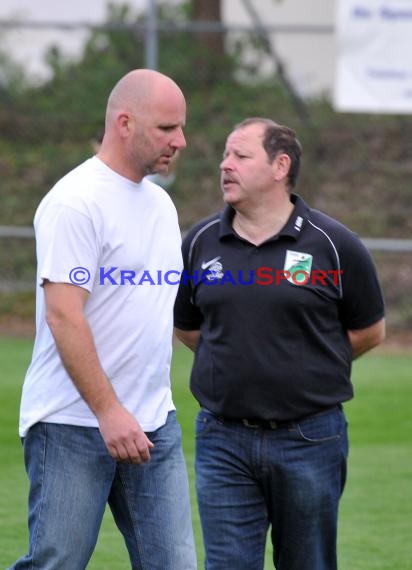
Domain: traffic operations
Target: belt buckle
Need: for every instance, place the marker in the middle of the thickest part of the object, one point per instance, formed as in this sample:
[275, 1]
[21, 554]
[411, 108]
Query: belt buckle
[250, 424]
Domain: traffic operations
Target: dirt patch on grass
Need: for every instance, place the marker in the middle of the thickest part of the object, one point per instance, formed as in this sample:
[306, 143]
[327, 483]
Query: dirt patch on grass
[15, 327]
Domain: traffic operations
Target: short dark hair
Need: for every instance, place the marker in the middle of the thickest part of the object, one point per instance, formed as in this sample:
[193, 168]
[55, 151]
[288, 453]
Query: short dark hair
[278, 139]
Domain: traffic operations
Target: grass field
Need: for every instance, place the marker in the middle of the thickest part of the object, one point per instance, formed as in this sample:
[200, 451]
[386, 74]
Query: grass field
[376, 510]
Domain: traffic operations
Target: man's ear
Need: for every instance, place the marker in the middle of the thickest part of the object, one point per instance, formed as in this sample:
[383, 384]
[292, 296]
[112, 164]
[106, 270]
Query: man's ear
[123, 123]
[281, 165]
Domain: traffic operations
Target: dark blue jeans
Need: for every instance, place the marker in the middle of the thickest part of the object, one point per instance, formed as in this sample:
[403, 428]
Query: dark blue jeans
[73, 477]
[290, 479]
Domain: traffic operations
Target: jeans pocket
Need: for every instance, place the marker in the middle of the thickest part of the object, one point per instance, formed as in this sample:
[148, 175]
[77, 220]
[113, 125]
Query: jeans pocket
[323, 427]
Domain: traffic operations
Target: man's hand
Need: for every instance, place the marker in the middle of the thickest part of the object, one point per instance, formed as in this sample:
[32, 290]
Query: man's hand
[123, 436]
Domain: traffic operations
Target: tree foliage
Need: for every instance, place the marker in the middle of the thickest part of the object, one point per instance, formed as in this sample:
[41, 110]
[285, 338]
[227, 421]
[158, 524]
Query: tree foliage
[46, 129]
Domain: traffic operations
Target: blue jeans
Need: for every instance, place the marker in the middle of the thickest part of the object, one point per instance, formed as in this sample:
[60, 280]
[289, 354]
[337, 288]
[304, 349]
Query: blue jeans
[72, 477]
[289, 479]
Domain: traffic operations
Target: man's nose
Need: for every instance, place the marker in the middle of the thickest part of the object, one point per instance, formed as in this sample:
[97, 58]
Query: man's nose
[225, 164]
[179, 142]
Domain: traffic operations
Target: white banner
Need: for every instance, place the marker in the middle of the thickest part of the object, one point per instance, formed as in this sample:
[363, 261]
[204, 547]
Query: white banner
[374, 68]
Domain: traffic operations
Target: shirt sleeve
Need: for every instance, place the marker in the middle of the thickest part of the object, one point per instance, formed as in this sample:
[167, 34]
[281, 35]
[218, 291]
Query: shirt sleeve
[186, 315]
[362, 302]
[67, 247]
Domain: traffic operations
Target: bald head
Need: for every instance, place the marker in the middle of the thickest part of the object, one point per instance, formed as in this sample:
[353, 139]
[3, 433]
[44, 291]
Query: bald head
[145, 116]
[136, 90]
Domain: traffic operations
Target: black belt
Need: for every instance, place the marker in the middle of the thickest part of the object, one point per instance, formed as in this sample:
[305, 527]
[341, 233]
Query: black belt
[269, 424]
[256, 424]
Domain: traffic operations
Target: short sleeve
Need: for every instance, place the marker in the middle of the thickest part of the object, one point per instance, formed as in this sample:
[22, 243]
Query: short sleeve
[362, 302]
[67, 247]
[187, 316]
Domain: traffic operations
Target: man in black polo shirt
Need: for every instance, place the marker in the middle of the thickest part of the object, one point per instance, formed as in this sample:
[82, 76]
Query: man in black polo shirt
[276, 300]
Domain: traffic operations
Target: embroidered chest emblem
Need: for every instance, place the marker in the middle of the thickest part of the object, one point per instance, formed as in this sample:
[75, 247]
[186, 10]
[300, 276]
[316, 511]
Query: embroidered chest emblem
[213, 269]
[298, 265]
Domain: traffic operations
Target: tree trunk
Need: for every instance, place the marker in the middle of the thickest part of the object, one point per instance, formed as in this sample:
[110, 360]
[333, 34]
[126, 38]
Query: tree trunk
[209, 11]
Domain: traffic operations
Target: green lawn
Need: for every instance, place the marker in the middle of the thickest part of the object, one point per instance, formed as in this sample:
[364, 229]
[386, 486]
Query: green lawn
[376, 510]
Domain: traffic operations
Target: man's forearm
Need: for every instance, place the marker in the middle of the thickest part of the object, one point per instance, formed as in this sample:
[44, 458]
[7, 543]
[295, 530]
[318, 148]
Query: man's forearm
[365, 339]
[189, 338]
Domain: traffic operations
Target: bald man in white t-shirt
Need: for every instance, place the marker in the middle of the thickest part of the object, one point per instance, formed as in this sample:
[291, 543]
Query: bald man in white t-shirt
[97, 416]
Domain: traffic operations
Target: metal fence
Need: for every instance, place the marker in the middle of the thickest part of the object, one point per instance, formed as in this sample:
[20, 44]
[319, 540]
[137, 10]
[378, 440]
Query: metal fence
[393, 258]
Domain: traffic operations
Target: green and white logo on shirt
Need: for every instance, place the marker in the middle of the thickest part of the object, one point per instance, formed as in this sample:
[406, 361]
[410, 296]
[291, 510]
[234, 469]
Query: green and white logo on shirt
[299, 266]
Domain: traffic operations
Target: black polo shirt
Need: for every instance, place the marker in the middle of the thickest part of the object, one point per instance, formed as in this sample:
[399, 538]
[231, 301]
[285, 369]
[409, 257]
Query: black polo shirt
[273, 317]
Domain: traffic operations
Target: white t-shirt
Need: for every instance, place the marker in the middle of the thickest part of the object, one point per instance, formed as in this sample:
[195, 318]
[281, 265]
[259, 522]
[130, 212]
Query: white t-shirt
[96, 220]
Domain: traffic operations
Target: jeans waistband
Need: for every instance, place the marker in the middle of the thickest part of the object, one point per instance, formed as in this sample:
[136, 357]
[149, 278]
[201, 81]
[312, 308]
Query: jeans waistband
[269, 424]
